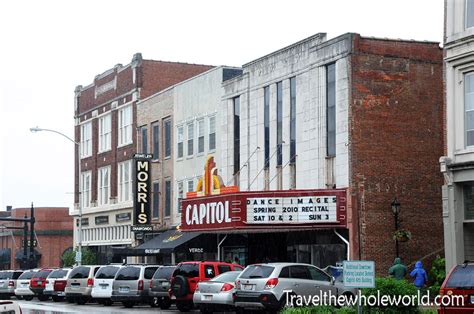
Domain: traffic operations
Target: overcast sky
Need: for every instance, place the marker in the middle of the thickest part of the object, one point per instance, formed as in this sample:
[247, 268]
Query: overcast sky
[47, 48]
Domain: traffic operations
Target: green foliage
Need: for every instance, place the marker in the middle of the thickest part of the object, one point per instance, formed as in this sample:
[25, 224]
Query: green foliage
[391, 287]
[88, 257]
[437, 273]
[319, 310]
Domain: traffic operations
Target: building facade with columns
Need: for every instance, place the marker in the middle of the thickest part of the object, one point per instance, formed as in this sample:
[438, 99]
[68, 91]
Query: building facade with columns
[457, 164]
[106, 128]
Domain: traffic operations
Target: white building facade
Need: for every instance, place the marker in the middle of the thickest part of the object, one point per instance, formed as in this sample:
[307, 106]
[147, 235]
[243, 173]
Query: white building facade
[458, 164]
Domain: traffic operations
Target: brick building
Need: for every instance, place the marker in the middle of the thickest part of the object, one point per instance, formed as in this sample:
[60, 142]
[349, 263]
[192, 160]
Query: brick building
[105, 119]
[357, 114]
[53, 234]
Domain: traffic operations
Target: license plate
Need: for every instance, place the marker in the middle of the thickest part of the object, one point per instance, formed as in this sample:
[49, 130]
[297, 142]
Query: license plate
[124, 289]
[103, 287]
[40, 282]
[247, 287]
[164, 284]
[206, 297]
[24, 285]
[472, 299]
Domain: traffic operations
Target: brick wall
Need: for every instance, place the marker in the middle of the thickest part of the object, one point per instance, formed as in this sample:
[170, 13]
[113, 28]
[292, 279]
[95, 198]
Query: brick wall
[396, 139]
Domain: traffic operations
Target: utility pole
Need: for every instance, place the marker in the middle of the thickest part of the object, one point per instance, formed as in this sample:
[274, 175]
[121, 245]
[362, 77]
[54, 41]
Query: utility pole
[32, 237]
[25, 243]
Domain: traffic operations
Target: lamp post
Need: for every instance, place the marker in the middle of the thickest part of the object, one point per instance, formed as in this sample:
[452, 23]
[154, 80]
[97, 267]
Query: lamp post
[396, 210]
[78, 144]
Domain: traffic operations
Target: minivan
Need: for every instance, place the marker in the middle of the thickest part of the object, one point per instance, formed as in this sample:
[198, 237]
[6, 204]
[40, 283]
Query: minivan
[8, 282]
[80, 282]
[56, 283]
[23, 290]
[103, 284]
[131, 285]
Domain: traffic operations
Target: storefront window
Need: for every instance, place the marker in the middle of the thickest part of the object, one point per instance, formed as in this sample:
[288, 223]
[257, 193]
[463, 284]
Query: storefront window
[468, 192]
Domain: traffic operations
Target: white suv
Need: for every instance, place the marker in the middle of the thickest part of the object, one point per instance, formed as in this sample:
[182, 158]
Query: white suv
[103, 284]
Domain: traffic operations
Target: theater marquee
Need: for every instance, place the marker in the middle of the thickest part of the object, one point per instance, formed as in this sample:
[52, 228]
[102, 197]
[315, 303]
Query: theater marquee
[265, 209]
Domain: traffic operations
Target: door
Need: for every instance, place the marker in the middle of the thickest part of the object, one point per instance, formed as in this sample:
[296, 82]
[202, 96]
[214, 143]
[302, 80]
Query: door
[301, 281]
[322, 281]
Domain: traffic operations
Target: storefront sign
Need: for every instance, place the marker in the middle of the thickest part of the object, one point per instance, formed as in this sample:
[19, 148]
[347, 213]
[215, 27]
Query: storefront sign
[84, 222]
[196, 250]
[265, 209]
[101, 220]
[152, 251]
[359, 274]
[309, 209]
[142, 189]
[144, 228]
[123, 217]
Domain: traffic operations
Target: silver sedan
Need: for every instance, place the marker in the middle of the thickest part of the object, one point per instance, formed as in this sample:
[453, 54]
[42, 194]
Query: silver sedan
[217, 293]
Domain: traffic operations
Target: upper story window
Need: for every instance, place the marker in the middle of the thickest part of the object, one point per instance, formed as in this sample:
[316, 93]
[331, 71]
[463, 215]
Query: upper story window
[266, 123]
[144, 139]
[105, 133]
[125, 120]
[200, 136]
[104, 185]
[167, 198]
[86, 139]
[469, 13]
[180, 195]
[293, 120]
[331, 110]
[167, 138]
[180, 141]
[236, 107]
[191, 185]
[190, 139]
[125, 181]
[156, 140]
[86, 189]
[212, 133]
[279, 124]
[156, 200]
[469, 108]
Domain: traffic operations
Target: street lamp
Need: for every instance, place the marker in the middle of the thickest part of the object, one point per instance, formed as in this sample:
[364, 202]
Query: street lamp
[37, 129]
[396, 210]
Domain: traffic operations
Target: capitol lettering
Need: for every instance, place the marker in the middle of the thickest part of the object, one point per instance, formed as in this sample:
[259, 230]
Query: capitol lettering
[209, 213]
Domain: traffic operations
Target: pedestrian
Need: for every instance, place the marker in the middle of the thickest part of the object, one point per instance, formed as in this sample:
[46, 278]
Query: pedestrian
[236, 260]
[420, 276]
[398, 270]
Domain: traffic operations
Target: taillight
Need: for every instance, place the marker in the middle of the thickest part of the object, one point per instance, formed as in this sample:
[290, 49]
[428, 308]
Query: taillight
[197, 287]
[151, 284]
[227, 287]
[140, 285]
[90, 282]
[11, 283]
[271, 283]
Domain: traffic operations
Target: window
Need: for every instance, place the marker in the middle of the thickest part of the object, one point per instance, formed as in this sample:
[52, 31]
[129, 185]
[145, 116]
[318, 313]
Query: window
[156, 140]
[105, 131]
[104, 185]
[284, 272]
[200, 136]
[468, 193]
[299, 272]
[236, 134]
[167, 198]
[144, 141]
[167, 138]
[190, 139]
[469, 13]
[469, 108]
[212, 133]
[125, 125]
[180, 141]
[86, 139]
[293, 120]
[279, 123]
[180, 195]
[331, 110]
[86, 189]
[316, 274]
[191, 185]
[125, 181]
[149, 272]
[266, 123]
[209, 271]
[156, 200]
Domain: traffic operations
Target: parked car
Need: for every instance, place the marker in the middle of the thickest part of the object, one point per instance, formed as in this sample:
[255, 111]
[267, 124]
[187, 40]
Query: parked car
[459, 283]
[56, 283]
[103, 284]
[38, 283]
[8, 282]
[159, 286]
[9, 307]
[23, 290]
[131, 284]
[80, 282]
[216, 295]
[188, 274]
[268, 286]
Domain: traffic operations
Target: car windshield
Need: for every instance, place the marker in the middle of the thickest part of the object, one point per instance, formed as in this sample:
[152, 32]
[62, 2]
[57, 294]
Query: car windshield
[80, 272]
[187, 270]
[107, 272]
[164, 273]
[42, 274]
[128, 273]
[58, 273]
[229, 276]
[5, 275]
[27, 275]
[257, 271]
[462, 277]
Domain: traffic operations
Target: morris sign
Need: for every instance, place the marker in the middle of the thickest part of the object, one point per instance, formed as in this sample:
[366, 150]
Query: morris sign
[142, 189]
[265, 209]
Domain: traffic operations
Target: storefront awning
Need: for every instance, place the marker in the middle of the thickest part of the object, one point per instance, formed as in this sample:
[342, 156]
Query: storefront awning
[5, 256]
[19, 254]
[164, 243]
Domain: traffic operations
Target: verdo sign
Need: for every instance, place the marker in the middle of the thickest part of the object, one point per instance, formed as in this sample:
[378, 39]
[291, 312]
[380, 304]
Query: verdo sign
[265, 209]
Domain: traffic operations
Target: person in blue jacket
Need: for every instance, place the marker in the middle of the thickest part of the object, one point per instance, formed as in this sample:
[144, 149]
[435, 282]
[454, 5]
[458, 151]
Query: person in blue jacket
[420, 275]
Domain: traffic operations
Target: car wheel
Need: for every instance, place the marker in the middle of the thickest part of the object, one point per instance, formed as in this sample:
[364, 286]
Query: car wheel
[154, 302]
[183, 306]
[128, 304]
[165, 303]
[28, 297]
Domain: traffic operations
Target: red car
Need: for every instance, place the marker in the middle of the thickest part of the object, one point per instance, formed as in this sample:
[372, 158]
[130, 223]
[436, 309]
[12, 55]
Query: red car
[459, 285]
[187, 275]
[38, 283]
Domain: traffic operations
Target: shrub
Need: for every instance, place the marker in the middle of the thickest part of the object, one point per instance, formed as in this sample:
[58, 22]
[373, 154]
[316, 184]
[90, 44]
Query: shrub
[320, 310]
[437, 273]
[394, 289]
[88, 257]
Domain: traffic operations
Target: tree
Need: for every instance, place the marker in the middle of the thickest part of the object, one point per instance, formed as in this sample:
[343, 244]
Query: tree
[89, 257]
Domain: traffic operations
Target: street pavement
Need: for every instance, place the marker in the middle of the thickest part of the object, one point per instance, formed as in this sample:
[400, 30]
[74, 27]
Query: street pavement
[49, 307]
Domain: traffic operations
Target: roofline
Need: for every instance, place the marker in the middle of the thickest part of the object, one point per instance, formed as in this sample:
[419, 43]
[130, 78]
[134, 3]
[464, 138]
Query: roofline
[401, 40]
